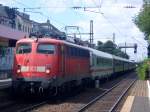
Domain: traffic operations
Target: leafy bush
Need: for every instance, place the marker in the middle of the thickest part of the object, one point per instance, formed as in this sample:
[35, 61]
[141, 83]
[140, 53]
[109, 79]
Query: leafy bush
[143, 69]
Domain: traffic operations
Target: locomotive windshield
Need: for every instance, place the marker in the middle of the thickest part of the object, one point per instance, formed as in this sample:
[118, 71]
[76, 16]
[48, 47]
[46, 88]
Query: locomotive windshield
[46, 48]
[23, 48]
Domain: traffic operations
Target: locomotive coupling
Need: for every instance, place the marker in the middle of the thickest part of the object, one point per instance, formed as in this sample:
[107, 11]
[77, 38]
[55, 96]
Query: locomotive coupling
[41, 90]
[31, 87]
[96, 83]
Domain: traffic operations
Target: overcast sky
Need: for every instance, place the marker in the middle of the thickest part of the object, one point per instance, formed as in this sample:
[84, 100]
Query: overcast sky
[109, 17]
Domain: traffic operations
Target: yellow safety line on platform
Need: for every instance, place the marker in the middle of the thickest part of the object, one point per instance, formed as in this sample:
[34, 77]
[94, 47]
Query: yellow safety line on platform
[128, 104]
[148, 84]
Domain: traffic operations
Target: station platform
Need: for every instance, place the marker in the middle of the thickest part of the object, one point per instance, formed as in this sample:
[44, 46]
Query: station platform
[5, 74]
[138, 99]
[5, 83]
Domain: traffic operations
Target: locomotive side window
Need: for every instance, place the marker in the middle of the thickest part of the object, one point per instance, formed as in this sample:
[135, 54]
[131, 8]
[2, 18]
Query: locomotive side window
[46, 48]
[77, 52]
[23, 48]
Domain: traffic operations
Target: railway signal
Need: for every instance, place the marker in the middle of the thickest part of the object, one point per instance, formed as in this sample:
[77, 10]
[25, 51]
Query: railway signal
[135, 48]
[130, 46]
[148, 49]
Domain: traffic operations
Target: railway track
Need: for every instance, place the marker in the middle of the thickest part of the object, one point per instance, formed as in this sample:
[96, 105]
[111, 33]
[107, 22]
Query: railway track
[108, 101]
[20, 106]
[84, 102]
[78, 103]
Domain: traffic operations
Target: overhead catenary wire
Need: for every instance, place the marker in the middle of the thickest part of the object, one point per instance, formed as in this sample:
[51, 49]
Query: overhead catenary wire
[62, 24]
[29, 9]
[18, 2]
[99, 6]
[38, 12]
[139, 42]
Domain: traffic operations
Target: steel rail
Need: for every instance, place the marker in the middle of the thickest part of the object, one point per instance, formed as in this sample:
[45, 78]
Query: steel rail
[32, 107]
[97, 98]
[82, 109]
[103, 94]
[44, 102]
[122, 95]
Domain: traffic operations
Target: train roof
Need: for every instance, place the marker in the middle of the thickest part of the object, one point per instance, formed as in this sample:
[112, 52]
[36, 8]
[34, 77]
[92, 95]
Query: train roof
[100, 53]
[94, 51]
[39, 40]
[50, 40]
[122, 59]
[75, 45]
[119, 58]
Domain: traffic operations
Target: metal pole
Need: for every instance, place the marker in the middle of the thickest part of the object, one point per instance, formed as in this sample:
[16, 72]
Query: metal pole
[125, 47]
[113, 42]
[114, 38]
[91, 33]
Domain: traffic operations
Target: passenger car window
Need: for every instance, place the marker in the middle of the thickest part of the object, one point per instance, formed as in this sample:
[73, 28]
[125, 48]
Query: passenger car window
[23, 48]
[46, 48]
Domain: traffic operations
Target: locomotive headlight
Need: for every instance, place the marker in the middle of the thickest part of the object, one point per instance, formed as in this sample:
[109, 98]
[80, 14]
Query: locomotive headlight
[47, 71]
[18, 68]
[18, 71]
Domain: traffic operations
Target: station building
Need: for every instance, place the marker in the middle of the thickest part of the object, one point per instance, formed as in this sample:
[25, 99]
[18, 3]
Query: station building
[15, 25]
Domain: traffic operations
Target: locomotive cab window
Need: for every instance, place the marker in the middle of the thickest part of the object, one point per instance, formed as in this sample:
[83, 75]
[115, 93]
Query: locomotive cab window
[46, 49]
[23, 48]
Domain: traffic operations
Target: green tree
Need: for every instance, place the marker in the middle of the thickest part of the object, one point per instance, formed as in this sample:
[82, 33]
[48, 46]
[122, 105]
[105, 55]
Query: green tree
[100, 46]
[142, 20]
[111, 48]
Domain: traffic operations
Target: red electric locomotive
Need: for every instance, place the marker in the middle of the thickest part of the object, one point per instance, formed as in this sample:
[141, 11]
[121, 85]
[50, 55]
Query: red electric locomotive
[48, 64]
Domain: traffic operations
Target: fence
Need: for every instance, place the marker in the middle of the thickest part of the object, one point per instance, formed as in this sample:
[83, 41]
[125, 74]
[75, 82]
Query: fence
[6, 61]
